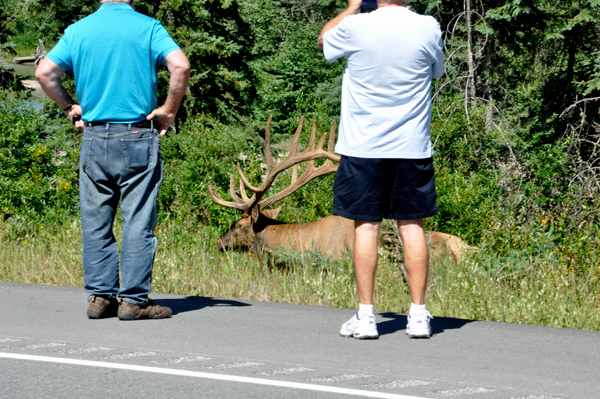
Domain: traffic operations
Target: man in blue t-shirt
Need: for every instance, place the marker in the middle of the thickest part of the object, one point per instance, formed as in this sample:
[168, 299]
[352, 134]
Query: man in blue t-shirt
[114, 55]
[386, 170]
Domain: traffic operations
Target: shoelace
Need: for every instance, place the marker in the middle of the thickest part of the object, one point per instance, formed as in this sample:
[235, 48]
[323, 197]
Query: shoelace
[425, 313]
[364, 315]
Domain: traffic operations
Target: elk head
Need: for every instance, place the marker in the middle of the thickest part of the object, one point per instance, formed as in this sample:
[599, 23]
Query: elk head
[245, 231]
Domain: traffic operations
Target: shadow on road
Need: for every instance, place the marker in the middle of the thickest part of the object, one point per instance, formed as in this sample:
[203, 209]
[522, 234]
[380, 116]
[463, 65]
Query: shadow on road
[396, 322]
[191, 303]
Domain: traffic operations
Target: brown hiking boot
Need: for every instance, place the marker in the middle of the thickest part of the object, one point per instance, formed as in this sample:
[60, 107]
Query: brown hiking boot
[101, 308]
[129, 311]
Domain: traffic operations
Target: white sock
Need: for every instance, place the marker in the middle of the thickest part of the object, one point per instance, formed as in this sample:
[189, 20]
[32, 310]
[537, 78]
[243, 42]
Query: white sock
[414, 309]
[365, 310]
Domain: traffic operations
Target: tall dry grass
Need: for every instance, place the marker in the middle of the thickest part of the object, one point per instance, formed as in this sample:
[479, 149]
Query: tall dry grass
[529, 291]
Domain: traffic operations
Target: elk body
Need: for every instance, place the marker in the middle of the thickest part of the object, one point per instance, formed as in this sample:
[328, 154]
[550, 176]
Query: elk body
[331, 236]
[442, 243]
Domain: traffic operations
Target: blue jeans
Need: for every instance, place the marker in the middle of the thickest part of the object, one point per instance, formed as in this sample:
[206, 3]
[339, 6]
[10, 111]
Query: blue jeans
[119, 166]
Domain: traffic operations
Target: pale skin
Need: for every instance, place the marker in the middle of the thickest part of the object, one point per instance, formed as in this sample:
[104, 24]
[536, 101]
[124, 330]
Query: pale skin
[48, 75]
[365, 233]
[415, 258]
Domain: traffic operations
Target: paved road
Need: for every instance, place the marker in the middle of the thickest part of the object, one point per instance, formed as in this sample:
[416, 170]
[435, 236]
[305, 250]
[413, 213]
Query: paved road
[218, 348]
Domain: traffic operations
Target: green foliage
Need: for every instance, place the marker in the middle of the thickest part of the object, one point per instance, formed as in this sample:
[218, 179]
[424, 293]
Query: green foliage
[218, 43]
[206, 153]
[9, 79]
[548, 52]
[294, 79]
[465, 203]
[38, 160]
[28, 21]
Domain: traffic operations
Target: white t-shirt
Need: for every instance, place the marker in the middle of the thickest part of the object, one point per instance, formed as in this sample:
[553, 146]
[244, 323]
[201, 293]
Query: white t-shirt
[391, 56]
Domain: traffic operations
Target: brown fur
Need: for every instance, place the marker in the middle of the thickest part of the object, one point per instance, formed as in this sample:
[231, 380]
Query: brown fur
[440, 243]
[331, 236]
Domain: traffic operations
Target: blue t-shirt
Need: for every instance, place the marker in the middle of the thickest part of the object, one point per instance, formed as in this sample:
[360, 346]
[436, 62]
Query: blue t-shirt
[115, 54]
[391, 56]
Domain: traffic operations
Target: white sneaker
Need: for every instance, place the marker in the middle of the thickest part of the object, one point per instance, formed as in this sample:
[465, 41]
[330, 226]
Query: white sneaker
[363, 328]
[418, 325]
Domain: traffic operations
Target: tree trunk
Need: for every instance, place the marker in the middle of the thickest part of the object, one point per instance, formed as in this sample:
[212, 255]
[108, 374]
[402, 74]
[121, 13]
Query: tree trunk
[489, 90]
[471, 64]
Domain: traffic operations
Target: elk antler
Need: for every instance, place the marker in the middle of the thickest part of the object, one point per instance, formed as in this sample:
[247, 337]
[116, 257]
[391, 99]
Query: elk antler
[309, 155]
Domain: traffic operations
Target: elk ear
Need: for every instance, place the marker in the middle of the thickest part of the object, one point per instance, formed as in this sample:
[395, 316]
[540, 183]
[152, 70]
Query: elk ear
[273, 212]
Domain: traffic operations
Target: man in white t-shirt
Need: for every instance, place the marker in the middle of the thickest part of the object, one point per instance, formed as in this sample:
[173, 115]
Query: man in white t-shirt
[386, 170]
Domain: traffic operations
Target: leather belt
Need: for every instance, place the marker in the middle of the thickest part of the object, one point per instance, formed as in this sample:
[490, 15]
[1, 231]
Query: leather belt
[138, 125]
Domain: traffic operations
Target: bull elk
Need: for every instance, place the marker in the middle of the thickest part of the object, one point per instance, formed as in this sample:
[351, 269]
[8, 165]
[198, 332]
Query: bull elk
[331, 235]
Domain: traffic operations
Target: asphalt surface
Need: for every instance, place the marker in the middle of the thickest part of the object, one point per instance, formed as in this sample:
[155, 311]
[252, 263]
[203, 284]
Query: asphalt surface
[219, 348]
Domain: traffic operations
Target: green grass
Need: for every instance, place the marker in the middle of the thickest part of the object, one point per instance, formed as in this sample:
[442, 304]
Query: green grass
[25, 51]
[51, 255]
[537, 291]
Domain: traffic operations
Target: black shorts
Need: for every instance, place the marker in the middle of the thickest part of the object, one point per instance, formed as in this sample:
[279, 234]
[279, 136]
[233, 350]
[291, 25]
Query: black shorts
[369, 190]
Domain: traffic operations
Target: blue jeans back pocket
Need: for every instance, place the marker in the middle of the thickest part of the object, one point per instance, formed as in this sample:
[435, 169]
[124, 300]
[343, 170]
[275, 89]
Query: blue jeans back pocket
[138, 152]
[85, 153]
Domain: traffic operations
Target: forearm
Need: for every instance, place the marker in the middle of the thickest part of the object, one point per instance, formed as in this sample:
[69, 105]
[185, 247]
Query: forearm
[177, 86]
[179, 67]
[353, 8]
[57, 93]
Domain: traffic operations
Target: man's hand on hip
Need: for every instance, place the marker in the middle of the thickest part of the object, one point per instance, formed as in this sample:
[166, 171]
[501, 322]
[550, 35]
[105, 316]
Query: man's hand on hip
[48, 75]
[163, 117]
[73, 112]
[179, 67]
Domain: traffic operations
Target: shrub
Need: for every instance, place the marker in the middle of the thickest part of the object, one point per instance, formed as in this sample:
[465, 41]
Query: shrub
[38, 159]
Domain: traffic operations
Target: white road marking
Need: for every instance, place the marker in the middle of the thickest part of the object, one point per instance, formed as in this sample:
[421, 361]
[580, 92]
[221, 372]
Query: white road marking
[180, 360]
[398, 384]
[33, 346]
[462, 391]
[129, 355]
[226, 366]
[341, 377]
[80, 351]
[212, 376]
[291, 370]
[9, 340]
